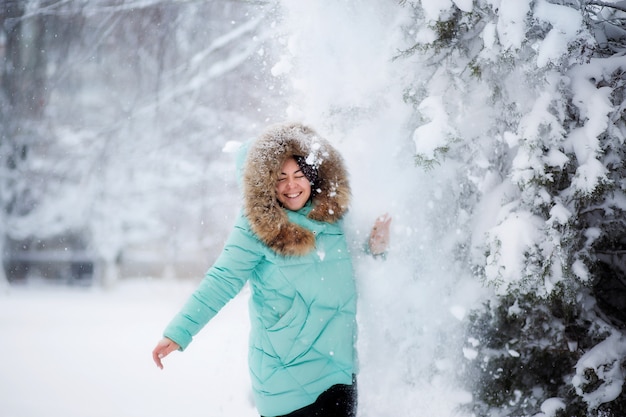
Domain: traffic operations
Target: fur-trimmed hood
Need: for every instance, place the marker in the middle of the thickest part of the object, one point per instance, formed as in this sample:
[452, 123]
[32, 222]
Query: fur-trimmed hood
[329, 200]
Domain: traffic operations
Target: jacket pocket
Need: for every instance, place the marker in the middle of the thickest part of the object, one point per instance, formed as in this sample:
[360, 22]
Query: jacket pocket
[282, 336]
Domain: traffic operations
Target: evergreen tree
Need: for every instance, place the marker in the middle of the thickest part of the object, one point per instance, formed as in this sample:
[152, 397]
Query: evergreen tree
[525, 100]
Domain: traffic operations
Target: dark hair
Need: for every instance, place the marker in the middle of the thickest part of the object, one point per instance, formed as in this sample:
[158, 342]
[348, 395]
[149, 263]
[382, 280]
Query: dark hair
[310, 171]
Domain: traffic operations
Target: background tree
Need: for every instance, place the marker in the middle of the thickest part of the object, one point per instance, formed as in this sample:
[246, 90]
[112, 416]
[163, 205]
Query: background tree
[139, 101]
[22, 99]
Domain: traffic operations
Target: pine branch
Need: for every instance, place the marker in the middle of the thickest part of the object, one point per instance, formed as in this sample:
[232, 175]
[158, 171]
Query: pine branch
[612, 252]
[620, 6]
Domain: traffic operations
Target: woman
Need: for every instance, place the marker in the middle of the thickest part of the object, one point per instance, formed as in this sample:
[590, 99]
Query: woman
[290, 246]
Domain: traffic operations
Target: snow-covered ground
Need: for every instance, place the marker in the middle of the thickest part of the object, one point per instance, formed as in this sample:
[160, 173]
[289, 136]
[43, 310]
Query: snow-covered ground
[86, 352]
[76, 352]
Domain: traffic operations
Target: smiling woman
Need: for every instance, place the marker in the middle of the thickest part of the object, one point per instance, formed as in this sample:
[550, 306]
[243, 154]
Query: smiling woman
[289, 245]
[293, 188]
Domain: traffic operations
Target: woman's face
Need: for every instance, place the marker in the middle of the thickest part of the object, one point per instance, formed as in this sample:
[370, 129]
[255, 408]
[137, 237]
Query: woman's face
[293, 189]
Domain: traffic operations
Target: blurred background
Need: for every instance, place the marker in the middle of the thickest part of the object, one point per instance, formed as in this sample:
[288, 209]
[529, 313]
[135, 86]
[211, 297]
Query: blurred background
[114, 119]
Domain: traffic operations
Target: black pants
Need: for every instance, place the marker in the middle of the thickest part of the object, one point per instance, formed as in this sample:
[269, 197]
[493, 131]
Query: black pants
[336, 401]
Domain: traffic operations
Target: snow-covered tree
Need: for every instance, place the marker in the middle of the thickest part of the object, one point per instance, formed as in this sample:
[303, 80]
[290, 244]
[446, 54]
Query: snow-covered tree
[22, 94]
[525, 101]
[140, 100]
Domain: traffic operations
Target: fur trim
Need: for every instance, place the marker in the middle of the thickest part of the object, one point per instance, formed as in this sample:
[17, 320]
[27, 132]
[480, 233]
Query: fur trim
[269, 221]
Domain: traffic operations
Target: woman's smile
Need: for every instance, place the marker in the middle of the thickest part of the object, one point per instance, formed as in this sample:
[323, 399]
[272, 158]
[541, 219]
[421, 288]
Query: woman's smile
[293, 189]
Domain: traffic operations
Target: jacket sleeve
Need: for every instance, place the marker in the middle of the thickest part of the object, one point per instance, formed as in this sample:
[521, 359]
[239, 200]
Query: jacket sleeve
[222, 282]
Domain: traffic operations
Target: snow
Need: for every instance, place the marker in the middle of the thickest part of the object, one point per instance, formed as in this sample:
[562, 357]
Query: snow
[514, 235]
[550, 407]
[565, 23]
[559, 214]
[432, 135]
[433, 9]
[81, 352]
[511, 25]
[470, 354]
[464, 5]
[77, 352]
[605, 359]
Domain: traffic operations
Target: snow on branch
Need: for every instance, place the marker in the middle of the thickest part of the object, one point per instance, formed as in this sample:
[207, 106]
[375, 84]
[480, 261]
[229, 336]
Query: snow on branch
[617, 6]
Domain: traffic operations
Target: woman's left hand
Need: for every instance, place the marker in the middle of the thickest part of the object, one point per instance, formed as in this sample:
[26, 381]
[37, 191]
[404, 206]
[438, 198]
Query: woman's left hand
[162, 349]
[379, 237]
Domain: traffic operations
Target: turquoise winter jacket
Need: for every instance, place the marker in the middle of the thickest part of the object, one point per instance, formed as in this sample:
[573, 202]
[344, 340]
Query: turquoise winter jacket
[302, 312]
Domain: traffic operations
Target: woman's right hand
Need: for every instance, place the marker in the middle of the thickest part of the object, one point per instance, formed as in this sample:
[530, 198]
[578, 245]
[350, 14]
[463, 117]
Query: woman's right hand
[162, 349]
[379, 236]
